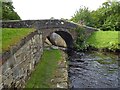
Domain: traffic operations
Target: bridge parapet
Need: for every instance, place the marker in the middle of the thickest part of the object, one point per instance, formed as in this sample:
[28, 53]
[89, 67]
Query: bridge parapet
[18, 23]
[45, 24]
[39, 24]
[48, 26]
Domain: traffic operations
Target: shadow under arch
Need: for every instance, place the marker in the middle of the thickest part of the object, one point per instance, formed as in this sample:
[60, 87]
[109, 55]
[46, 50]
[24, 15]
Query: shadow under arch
[67, 37]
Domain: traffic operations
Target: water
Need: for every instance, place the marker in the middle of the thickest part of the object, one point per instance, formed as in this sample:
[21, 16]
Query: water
[93, 70]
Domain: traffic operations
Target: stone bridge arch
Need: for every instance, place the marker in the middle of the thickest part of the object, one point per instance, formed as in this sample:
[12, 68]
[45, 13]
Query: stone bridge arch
[69, 36]
[47, 26]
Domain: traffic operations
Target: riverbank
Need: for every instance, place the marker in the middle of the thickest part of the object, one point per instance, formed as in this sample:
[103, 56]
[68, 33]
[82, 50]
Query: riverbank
[104, 40]
[51, 71]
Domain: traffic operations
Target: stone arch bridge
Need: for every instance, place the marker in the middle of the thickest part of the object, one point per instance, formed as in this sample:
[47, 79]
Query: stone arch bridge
[20, 60]
[64, 28]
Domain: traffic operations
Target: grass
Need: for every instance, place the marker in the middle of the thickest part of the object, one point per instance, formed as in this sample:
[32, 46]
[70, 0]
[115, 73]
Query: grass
[11, 36]
[104, 39]
[41, 77]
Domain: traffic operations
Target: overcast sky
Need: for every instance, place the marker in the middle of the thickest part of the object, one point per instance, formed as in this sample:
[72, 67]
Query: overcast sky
[45, 9]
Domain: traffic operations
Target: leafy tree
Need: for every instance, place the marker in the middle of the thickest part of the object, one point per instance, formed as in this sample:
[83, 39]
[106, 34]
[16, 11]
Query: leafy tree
[106, 17]
[8, 12]
[83, 16]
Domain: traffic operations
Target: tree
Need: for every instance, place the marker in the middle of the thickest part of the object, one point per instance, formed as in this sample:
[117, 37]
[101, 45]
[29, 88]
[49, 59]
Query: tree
[8, 12]
[107, 17]
[83, 16]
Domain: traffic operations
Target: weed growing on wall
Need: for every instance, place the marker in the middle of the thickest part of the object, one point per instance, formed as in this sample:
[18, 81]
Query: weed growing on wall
[80, 43]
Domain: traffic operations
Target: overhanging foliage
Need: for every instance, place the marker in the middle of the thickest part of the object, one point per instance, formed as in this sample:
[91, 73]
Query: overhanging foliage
[106, 17]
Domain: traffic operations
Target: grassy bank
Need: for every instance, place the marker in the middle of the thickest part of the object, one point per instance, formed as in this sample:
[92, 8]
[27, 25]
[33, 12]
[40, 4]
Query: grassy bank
[41, 77]
[104, 40]
[11, 36]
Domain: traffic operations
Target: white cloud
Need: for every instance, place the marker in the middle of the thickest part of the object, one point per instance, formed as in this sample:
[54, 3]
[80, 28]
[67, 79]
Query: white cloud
[45, 9]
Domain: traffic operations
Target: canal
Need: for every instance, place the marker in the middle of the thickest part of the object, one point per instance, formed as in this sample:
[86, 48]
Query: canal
[93, 70]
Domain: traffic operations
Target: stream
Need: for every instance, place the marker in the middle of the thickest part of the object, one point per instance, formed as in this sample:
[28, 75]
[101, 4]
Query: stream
[93, 70]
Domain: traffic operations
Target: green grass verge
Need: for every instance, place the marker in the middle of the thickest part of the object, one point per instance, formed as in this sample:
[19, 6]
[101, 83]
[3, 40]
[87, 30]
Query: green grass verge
[44, 71]
[11, 36]
[104, 39]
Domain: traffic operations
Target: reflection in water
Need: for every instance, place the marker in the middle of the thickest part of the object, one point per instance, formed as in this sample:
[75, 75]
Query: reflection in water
[93, 70]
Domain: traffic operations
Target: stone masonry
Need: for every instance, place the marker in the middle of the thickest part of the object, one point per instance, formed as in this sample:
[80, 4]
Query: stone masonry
[17, 63]
[49, 26]
[18, 66]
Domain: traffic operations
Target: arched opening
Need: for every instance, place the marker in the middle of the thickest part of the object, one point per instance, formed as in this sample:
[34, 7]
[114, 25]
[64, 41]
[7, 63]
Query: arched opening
[67, 37]
[60, 38]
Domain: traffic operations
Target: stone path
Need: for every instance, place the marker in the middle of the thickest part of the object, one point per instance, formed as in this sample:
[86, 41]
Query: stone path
[60, 79]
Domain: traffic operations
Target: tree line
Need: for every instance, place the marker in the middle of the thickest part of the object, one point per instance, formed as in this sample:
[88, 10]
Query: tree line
[7, 11]
[106, 17]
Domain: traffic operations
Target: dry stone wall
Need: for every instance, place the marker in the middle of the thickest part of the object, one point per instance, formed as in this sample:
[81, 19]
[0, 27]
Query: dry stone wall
[20, 61]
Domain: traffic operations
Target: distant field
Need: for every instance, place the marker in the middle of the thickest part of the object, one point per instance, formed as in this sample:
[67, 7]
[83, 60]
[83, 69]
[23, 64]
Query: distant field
[11, 36]
[105, 39]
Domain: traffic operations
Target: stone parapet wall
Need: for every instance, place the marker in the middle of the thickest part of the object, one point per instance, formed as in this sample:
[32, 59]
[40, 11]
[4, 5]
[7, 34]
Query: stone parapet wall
[49, 26]
[18, 23]
[89, 31]
[20, 61]
[39, 24]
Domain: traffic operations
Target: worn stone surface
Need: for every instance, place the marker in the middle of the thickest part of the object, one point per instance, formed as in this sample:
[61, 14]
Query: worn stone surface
[17, 68]
[60, 79]
[41, 24]
[57, 40]
[48, 42]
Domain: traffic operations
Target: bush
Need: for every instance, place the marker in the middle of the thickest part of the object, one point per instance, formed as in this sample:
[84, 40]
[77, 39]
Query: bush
[106, 17]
